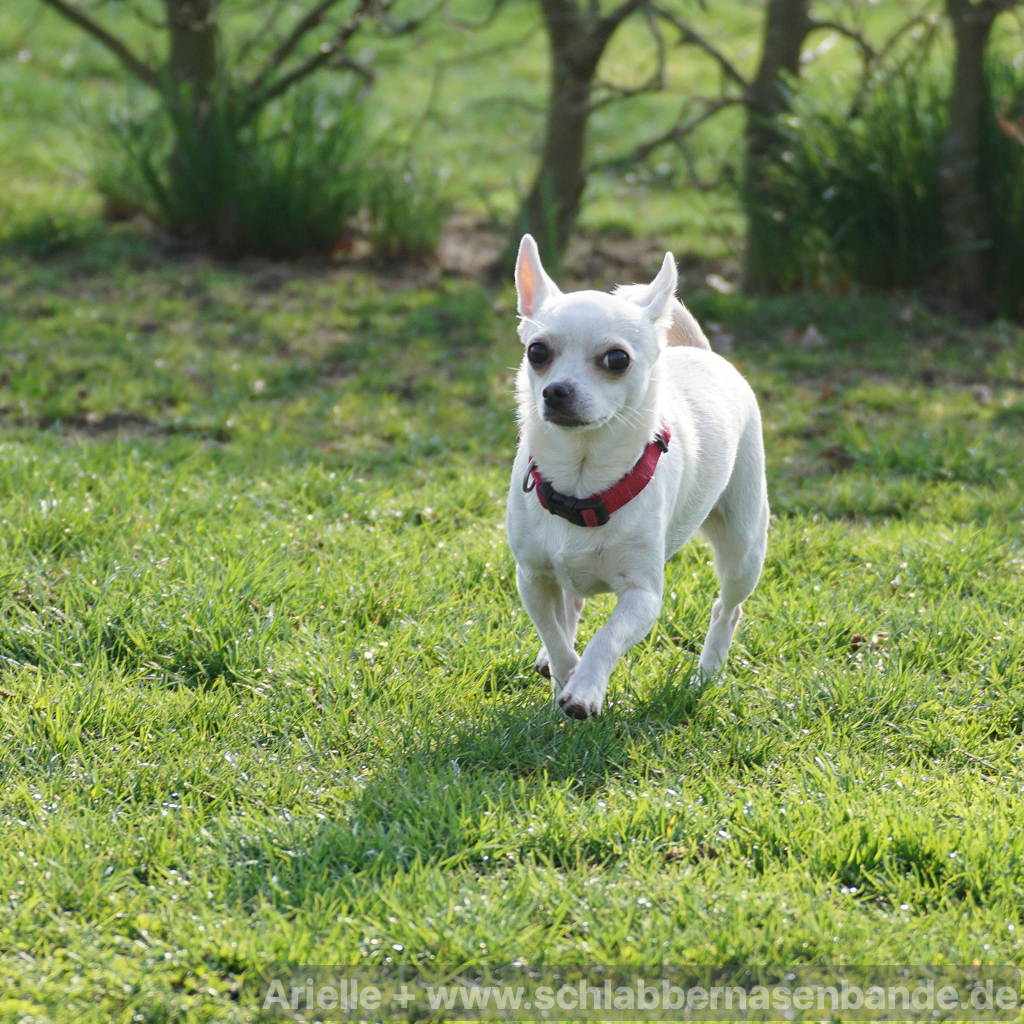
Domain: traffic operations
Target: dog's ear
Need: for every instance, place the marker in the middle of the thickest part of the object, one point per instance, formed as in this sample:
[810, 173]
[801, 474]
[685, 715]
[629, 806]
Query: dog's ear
[533, 286]
[656, 298]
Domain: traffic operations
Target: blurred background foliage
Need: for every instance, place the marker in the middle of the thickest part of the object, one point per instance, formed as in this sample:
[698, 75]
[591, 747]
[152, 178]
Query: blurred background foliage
[799, 144]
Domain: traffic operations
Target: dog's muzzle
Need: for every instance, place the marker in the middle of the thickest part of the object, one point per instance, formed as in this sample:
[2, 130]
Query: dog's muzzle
[560, 405]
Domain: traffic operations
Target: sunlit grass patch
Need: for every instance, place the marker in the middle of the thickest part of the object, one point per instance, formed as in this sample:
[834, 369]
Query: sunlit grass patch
[266, 686]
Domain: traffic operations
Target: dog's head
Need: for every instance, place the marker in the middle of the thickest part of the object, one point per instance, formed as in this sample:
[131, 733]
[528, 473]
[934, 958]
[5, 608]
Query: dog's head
[589, 355]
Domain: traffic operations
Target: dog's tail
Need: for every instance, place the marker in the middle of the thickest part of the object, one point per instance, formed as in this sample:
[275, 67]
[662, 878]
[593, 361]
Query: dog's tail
[683, 330]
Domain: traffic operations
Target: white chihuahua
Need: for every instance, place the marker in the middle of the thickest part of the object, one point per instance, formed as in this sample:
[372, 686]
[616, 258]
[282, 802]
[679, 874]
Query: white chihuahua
[633, 435]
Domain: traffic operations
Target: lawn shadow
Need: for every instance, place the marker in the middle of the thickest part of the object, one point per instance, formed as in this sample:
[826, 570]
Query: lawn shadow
[516, 783]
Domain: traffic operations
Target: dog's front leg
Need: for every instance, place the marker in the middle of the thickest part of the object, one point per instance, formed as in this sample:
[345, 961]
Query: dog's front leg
[544, 603]
[632, 619]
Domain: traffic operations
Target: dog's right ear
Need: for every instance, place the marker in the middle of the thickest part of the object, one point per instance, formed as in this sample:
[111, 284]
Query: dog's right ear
[533, 286]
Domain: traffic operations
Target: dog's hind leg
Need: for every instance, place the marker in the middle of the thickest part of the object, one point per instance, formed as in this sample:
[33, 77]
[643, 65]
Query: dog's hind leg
[569, 618]
[737, 530]
[545, 603]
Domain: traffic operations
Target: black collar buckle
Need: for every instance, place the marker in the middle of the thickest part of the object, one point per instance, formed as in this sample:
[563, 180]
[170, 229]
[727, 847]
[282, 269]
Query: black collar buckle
[573, 509]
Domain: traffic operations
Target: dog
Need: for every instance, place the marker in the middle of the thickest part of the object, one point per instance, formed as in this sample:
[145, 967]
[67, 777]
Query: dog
[633, 435]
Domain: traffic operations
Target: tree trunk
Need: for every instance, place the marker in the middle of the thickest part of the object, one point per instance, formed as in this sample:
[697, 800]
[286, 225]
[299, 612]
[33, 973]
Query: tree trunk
[967, 218]
[549, 212]
[786, 25]
[193, 60]
[190, 80]
[552, 205]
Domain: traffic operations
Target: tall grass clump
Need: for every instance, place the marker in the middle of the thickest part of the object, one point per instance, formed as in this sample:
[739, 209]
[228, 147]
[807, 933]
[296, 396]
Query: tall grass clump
[858, 194]
[295, 178]
[406, 206]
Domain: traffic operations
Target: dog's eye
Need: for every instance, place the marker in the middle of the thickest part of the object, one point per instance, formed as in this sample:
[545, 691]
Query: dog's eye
[538, 353]
[616, 360]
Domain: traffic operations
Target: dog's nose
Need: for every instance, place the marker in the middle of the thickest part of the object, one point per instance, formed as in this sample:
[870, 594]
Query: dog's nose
[559, 395]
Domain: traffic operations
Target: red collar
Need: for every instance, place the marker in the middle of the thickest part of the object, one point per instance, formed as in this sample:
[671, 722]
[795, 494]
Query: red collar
[596, 510]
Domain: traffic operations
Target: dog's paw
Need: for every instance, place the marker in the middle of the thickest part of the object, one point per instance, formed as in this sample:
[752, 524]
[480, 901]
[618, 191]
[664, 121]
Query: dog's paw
[542, 663]
[558, 677]
[580, 701]
[579, 709]
[698, 680]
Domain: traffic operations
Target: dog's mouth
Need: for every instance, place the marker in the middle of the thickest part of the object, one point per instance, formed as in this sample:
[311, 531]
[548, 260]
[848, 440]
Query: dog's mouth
[561, 419]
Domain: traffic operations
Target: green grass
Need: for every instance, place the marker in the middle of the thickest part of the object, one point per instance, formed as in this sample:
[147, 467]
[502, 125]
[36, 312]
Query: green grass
[267, 695]
[267, 684]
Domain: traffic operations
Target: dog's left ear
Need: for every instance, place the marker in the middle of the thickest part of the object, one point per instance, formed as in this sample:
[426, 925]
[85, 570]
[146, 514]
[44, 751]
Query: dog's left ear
[656, 299]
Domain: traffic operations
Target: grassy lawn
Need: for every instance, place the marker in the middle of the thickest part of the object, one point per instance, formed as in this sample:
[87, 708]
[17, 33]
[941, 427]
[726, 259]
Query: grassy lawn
[267, 694]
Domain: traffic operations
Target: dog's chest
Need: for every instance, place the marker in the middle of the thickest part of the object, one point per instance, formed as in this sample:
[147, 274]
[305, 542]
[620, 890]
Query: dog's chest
[581, 563]
[583, 574]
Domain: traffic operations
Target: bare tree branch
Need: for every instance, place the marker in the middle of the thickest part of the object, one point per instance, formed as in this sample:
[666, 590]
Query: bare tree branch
[309, 21]
[867, 50]
[654, 30]
[683, 127]
[401, 28]
[606, 26]
[688, 36]
[699, 184]
[926, 15]
[273, 14]
[654, 83]
[143, 72]
[326, 57]
[617, 93]
[260, 92]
